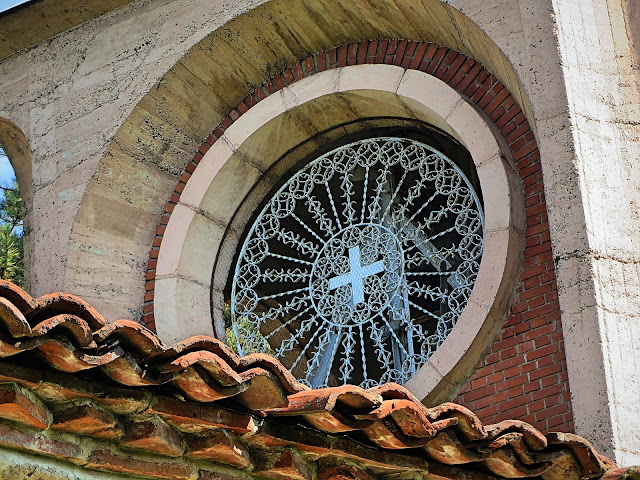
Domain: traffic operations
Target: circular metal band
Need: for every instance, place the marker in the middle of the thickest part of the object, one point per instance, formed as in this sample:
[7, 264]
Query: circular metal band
[361, 263]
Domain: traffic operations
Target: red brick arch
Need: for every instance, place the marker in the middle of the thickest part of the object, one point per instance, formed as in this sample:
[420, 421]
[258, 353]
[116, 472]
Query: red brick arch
[523, 374]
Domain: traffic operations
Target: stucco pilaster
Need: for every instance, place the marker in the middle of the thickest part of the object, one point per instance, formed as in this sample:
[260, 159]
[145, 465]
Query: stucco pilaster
[598, 275]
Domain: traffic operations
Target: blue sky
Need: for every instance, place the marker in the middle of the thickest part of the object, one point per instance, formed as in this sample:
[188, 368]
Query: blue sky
[7, 4]
[6, 171]
[7, 177]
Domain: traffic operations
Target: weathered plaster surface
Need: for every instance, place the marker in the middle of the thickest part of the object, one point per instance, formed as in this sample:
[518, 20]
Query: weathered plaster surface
[27, 25]
[600, 276]
[69, 95]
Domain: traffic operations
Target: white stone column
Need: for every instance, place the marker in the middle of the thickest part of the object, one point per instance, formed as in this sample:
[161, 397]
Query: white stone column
[598, 276]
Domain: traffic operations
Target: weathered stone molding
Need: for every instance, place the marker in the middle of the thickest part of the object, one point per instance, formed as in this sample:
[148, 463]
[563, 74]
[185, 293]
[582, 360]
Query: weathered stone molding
[241, 165]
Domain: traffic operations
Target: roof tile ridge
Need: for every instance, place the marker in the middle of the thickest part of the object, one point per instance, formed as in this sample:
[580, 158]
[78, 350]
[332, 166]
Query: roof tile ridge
[592, 463]
[35, 323]
[329, 399]
[135, 337]
[13, 320]
[533, 437]
[74, 327]
[622, 473]
[467, 422]
[196, 343]
[272, 365]
[35, 309]
[129, 353]
[17, 296]
[62, 302]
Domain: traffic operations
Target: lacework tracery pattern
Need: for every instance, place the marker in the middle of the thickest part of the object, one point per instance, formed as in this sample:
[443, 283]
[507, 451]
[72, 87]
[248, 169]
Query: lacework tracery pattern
[360, 265]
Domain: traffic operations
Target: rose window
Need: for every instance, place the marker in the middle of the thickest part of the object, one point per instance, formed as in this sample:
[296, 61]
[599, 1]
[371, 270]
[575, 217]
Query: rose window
[358, 267]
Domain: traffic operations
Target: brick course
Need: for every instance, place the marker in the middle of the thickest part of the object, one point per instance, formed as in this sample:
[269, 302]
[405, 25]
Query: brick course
[523, 374]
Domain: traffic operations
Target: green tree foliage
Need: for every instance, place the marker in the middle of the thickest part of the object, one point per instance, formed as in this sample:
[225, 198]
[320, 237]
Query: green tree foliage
[248, 335]
[11, 245]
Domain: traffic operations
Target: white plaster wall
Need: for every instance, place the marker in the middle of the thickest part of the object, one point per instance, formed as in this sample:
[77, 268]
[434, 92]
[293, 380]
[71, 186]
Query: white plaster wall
[602, 331]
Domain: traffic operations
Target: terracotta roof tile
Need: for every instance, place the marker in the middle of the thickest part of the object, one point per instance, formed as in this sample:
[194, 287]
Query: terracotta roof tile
[72, 337]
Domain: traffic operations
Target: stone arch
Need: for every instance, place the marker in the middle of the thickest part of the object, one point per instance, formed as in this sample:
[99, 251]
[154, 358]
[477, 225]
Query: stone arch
[139, 170]
[152, 147]
[203, 232]
[17, 149]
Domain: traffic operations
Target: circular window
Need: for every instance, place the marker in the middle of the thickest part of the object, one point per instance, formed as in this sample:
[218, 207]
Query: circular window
[358, 267]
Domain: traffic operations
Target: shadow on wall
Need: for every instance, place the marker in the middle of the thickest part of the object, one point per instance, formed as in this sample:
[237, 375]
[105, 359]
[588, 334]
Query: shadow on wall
[632, 22]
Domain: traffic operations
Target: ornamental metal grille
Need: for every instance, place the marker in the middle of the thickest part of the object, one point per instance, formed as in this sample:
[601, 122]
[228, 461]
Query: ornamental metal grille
[359, 266]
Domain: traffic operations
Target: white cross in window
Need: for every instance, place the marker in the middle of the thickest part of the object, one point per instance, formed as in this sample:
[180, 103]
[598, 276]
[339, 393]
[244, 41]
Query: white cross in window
[357, 274]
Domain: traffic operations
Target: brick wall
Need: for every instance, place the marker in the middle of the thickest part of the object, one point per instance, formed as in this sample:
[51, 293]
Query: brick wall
[523, 374]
